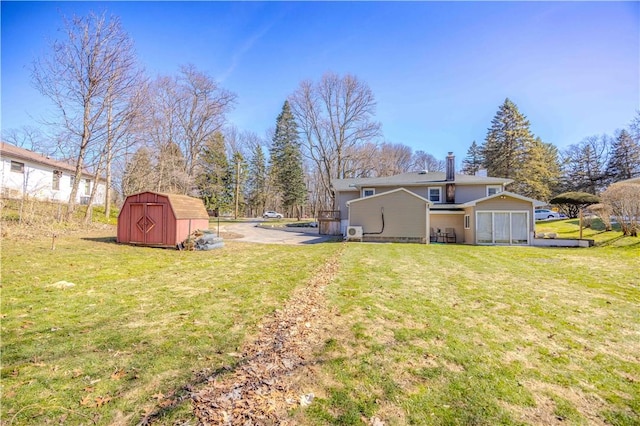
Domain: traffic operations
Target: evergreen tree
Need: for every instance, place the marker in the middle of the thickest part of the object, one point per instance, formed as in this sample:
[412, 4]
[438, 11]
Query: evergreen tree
[171, 171]
[214, 179]
[506, 142]
[256, 187]
[286, 160]
[237, 174]
[138, 174]
[472, 163]
[540, 171]
[624, 160]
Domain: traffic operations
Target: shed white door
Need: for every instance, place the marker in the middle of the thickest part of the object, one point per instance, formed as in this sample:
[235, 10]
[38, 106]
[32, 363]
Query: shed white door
[500, 227]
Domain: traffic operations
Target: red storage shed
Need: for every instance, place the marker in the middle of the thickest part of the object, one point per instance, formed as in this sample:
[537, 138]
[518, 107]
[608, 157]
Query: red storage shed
[162, 220]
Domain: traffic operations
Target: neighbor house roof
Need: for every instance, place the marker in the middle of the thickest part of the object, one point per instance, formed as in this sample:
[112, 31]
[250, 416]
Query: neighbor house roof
[12, 151]
[502, 194]
[414, 179]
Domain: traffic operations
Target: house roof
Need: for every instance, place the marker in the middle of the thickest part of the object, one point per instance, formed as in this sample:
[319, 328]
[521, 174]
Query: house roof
[384, 194]
[12, 151]
[536, 203]
[632, 180]
[414, 179]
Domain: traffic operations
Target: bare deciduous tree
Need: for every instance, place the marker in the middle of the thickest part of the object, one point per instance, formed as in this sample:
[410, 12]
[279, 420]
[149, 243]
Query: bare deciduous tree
[623, 200]
[334, 116]
[425, 161]
[77, 77]
[201, 108]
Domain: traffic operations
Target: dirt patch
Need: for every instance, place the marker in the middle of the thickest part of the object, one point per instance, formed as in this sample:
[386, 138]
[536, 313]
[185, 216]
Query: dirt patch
[265, 385]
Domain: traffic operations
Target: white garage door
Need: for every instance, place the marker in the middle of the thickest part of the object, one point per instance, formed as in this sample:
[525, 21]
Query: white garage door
[502, 228]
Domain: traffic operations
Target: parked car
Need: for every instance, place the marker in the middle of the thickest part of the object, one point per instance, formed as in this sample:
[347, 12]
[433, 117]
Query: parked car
[272, 215]
[542, 214]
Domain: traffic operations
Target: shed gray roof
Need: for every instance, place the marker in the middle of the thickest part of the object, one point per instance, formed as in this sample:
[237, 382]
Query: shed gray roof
[414, 179]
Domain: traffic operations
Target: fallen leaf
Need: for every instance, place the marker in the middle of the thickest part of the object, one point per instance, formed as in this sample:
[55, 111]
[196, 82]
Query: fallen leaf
[100, 401]
[118, 374]
[158, 396]
[86, 400]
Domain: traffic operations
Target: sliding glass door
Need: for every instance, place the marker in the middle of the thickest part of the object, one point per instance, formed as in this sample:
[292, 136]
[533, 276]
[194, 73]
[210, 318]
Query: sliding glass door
[502, 228]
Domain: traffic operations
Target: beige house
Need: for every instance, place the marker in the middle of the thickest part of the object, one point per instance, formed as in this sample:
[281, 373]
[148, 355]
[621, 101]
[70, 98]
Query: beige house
[432, 207]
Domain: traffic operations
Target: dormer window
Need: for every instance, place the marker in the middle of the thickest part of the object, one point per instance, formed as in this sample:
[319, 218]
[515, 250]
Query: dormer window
[368, 192]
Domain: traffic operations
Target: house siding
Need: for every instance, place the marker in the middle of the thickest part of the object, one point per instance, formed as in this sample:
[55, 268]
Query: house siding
[467, 193]
[405, 217]
[36, 180]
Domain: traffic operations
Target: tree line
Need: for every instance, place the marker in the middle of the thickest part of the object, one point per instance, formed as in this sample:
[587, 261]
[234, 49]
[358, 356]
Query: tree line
[171, 134]
[540, 170]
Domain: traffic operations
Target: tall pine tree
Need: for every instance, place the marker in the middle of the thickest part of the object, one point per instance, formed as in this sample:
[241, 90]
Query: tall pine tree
[472, 163]
[256, 186]
[286, 161]
[511, 151]
[624, 159]
[214, 179]
[506, 142]
[539, 175]
[138, 173]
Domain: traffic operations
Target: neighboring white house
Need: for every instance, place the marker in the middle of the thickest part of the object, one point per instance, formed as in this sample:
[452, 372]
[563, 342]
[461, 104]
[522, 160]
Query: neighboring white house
[25, 172]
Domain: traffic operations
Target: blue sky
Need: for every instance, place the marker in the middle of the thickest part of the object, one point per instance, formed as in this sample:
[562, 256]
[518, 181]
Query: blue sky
[439, 70]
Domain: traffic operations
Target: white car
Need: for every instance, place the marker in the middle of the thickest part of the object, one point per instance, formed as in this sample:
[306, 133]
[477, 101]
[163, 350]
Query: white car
[543, 214]
[272, 215]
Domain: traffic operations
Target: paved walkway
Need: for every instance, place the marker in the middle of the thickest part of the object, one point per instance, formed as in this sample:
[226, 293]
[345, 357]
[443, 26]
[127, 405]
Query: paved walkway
[253, 233]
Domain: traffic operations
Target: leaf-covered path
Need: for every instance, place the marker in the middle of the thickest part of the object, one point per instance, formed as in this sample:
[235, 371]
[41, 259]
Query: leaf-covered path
[262, 388]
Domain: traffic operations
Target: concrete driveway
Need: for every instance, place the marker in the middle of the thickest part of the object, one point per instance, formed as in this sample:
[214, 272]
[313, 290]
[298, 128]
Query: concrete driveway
[250, 232]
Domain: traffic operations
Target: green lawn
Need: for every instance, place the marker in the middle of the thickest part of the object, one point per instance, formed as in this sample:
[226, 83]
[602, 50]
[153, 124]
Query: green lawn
[436, 334]
[449, 334]
[570, 228]
[138, 323]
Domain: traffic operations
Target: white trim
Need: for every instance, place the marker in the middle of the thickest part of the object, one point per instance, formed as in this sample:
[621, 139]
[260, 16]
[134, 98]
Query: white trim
[382, 194]
[446, 212]
[439, 188]
[505, 194]
[467, 221]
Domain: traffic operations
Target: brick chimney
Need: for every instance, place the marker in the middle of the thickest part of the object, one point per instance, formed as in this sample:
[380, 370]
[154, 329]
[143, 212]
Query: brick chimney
[450, 179]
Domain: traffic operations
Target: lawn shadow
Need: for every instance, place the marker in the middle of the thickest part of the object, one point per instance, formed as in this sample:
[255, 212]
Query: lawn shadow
[107, 240]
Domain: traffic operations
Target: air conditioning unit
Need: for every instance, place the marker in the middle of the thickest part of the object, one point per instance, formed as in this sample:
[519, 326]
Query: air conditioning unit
[354, 232]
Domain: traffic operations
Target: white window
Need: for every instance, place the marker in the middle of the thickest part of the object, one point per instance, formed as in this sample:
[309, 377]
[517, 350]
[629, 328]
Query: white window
[493, 190]
[467, 221]
[17, 167]
[435, 194]
[368, 192]
[87, 187]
